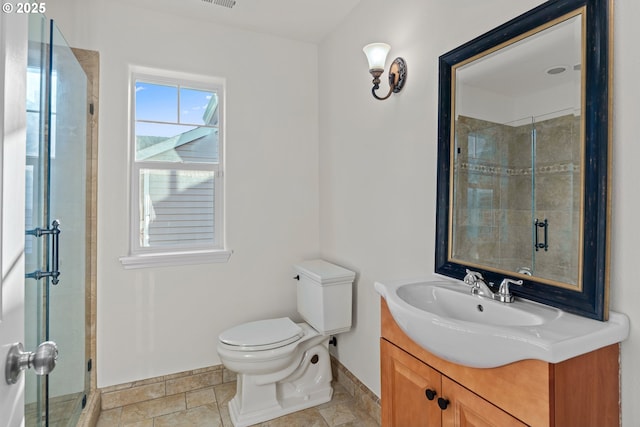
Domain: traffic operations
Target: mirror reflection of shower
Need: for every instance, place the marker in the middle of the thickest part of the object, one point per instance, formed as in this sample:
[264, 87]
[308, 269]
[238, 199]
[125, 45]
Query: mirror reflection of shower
[516, 199]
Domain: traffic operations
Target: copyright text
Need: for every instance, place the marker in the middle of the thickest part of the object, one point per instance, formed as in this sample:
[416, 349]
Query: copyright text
[24, 7]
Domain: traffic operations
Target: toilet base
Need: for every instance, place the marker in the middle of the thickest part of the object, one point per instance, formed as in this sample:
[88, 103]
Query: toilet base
[290, 406]
[308, 386]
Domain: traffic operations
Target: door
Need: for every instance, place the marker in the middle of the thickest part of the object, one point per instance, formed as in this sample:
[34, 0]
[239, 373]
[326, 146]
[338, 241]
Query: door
[410, 389]
[466, 409]
[55, 213]
[13, 52]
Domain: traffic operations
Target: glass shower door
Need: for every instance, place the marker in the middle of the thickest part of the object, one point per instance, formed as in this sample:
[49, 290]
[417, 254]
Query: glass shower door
[517, 195]
[556, 196]
[56, 193]
[35, 215]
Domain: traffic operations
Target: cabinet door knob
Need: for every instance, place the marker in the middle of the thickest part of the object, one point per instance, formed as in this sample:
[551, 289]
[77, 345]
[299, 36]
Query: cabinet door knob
[431, 394]
[443, 403]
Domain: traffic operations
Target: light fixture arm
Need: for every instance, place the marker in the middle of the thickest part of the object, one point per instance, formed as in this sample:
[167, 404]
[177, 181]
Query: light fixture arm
[397, 78]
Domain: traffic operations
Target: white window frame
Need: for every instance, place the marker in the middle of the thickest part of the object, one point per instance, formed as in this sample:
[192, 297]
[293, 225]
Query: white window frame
[144, 257]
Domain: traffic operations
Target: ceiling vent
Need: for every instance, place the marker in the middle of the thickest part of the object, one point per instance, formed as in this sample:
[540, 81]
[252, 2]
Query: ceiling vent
[225, 3]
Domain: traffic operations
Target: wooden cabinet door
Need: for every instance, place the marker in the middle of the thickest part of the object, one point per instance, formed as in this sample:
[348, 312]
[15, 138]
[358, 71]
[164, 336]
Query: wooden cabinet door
[467, 409]
[404, 381]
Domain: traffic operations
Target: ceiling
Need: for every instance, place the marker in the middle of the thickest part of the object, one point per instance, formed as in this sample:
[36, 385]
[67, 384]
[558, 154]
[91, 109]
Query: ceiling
[305, 20]
[520, 69]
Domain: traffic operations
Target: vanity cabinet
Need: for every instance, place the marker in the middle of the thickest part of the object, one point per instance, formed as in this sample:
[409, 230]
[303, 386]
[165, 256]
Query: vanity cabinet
[416, 395]
[417, 385]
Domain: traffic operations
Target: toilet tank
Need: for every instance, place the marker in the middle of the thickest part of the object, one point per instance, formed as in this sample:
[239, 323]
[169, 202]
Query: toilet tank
[324, 295]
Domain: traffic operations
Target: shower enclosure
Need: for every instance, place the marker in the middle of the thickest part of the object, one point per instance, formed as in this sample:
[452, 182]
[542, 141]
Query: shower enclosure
[517, 195]
[56, 211]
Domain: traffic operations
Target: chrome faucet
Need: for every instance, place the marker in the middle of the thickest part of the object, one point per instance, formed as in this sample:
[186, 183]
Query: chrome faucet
[472, 277]
[480, 287]
[477, 283]
[504, 295]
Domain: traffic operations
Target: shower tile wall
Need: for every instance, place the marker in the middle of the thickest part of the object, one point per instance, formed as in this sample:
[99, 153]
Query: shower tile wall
[493, 195]
[558, 196]
[90, 62]
[478, 217]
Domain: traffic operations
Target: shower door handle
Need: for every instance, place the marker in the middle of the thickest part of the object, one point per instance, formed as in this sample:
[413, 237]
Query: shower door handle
[55, 253]
[542, 224]
[54, 231]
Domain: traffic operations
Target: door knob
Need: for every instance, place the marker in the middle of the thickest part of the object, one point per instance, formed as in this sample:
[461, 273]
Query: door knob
[443, 403]
[43, 360]
[431, 394]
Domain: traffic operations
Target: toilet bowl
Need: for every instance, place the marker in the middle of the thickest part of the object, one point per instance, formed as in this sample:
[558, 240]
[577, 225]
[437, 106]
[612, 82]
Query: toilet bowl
[278, 380]
[283, 366]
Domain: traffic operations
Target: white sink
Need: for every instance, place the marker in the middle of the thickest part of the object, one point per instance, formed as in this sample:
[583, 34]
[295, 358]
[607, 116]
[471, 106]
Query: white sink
[446, 319]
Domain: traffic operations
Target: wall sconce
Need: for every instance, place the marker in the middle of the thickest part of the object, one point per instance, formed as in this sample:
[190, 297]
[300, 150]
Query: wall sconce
[377, 56]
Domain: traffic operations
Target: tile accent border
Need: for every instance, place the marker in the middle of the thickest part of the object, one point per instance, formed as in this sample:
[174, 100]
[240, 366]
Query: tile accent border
[365, 398]
[161, 387]
[497, 170]
[145, 395]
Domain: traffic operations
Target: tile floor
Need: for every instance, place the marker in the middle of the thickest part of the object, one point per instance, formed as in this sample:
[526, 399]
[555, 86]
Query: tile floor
[63, 411]
[207, 407]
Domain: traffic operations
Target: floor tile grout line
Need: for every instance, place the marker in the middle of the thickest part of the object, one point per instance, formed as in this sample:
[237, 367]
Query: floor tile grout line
[220, 395]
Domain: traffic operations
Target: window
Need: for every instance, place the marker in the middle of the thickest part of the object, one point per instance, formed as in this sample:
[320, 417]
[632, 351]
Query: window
[176, 172]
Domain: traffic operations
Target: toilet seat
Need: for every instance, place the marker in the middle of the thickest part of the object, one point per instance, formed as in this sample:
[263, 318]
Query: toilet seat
[261, 335]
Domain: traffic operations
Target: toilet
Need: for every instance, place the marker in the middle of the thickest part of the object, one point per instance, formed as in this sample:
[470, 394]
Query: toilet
[283, 366]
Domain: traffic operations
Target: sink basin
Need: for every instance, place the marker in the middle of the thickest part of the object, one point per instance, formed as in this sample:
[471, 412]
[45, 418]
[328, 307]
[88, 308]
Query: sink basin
[457, 302]
[444, 318]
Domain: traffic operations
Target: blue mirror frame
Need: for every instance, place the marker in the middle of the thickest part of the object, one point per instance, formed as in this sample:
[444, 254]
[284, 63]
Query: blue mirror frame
[593, 299]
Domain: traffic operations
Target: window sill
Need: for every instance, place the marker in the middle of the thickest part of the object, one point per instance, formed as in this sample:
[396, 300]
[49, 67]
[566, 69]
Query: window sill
[174, 259]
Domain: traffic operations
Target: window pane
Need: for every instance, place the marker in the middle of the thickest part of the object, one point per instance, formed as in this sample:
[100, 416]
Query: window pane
[176, 143]
[176, 208]
[33, 89]
[156, 102]
[198, 107]
[33, 133]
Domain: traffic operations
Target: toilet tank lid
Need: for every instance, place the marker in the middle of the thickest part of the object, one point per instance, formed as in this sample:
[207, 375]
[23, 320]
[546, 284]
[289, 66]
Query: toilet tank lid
[324, 272]
[268, 333]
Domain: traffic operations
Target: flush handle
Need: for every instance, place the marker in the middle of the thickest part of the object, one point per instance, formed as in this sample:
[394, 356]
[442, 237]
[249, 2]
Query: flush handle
[43, 360]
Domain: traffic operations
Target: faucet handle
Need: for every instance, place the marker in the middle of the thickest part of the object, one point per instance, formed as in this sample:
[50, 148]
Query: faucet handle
[472, 277]
[504, 292]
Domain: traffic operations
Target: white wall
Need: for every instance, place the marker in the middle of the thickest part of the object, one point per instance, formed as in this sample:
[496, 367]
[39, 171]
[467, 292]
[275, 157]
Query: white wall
[158, 321]
[377, 174]
[378, 160]
[625, 291]
[494, 107]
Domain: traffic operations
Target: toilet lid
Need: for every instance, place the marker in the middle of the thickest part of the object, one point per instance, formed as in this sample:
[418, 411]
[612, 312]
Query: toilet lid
[262, 334]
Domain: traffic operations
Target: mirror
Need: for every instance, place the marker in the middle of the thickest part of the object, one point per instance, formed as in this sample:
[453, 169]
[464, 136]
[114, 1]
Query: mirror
[523, 156]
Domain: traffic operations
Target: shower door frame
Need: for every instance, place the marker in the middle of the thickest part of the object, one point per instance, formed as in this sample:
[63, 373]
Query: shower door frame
[85, 281]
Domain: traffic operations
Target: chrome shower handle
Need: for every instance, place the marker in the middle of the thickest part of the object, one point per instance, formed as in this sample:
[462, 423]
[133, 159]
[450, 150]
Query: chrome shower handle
[55, 253]
[54, 231]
